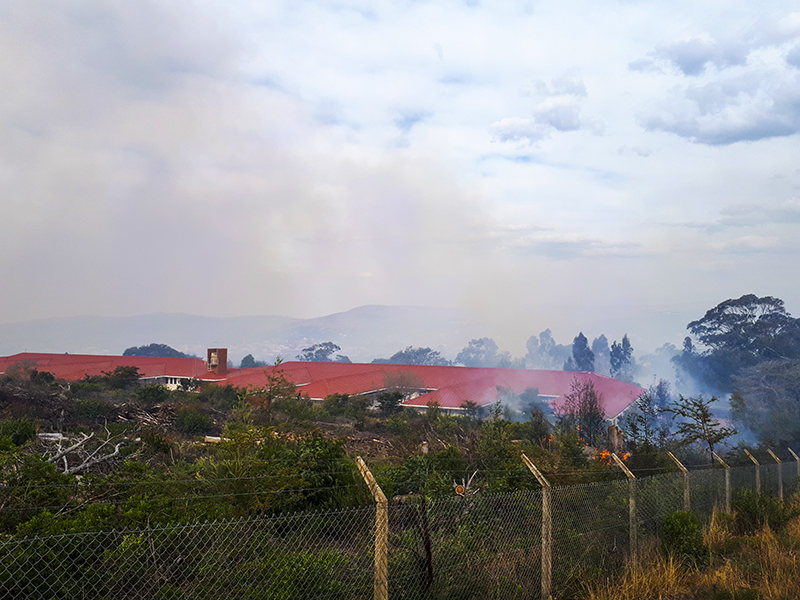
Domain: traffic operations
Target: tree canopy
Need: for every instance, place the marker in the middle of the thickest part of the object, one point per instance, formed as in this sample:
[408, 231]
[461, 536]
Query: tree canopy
[767, 401]
[414, 356]
[622, 360]
[582, 358]
[479, 353]
[322, 353]
[739, 333]
[697, 423]
[156, 350]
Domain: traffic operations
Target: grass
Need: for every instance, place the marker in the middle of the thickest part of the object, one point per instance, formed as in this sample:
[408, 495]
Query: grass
[764, 565]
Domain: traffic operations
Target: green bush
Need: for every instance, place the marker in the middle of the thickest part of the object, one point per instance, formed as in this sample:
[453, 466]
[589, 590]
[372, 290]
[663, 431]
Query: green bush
[192, 422]
[19, 430]
[152, 394]
[155, 441]
[219, 396]
[753, 511]
[90, 408]
[682, 538]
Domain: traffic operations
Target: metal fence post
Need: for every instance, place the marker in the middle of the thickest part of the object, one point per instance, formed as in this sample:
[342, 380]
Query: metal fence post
[381, 532]
[631, 510]
[780, 473]
[797, 460]
[547, 530]
[727, 482]
[758, 470]
[686, 503]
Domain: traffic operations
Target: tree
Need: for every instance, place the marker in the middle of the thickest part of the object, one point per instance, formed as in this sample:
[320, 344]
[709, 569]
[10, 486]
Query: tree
[122, 377]
[405, 382]
[644, 427]
[739, 333]
[414, 356]
[698, 423]
[321, 353]
[760, 327]
[390, 403]
[582, 358]
[479, 353]
[156, 350]
[278, 387]
[767, 401]
[582, 411]
[545, 353]
[248, 362]
[471, 409]
[602, 355]
[622, 360]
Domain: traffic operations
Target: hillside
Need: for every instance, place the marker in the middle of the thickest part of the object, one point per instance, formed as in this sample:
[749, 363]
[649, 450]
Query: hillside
[363, 333]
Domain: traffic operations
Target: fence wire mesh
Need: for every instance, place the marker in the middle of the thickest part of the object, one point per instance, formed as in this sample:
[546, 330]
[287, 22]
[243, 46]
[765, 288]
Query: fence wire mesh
[480, 546]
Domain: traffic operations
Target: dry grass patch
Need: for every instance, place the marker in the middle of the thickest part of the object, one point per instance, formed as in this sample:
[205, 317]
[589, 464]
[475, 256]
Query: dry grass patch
[660, 578]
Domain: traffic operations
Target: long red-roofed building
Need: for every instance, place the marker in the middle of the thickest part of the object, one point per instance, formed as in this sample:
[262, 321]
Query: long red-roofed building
[450, 387]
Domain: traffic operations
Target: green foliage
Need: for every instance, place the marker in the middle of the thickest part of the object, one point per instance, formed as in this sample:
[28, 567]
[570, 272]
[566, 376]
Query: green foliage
[121, 378]
[536, 430]
[43, 378]
[698, 424]
[433, 412]
[155, 441]
[336, 404]
[300, 410]
[643, 426]
[753, 511]
[157, 350]
[682, 538]
[152, 394]
[471, 409]
[91, 408]
[31, 483]
[570, 449]
[431, 475]
[739, 333]
[414, 356]
[19, 431]
[85, 388]
[390, 403]
[219, 396]
[767, 401]
[192, 421]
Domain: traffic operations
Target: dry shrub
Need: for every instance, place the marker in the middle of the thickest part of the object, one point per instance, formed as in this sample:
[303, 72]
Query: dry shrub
[793, 528]
[762, 563]
[661, 578]
[718, 535]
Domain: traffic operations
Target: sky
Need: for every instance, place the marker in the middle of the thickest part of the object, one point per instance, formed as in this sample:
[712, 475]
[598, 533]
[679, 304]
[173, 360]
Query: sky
[611, 167]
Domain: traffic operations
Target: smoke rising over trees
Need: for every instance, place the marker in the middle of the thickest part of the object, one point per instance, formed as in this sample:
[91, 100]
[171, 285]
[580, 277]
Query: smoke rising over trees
[738, 333]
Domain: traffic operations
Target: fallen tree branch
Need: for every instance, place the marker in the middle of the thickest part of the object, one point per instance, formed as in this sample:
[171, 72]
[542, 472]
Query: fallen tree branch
[90, 463]
[85, 439]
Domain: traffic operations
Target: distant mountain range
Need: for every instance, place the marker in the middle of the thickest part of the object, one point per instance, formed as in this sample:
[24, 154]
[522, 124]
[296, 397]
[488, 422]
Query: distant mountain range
[364, 333]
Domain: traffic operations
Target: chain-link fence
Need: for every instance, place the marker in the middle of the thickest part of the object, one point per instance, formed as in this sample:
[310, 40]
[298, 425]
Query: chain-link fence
[472, 546]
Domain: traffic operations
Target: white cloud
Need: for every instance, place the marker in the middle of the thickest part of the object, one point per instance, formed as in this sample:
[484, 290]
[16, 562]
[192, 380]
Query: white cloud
[264, 157]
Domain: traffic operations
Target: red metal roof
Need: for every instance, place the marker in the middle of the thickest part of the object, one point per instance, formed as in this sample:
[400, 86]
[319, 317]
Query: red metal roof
[451, 386]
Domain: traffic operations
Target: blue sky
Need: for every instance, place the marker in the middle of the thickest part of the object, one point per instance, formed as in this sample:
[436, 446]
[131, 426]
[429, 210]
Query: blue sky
[607, 167]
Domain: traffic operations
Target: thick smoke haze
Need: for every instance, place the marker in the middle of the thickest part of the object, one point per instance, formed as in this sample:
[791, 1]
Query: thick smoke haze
[615, 168]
